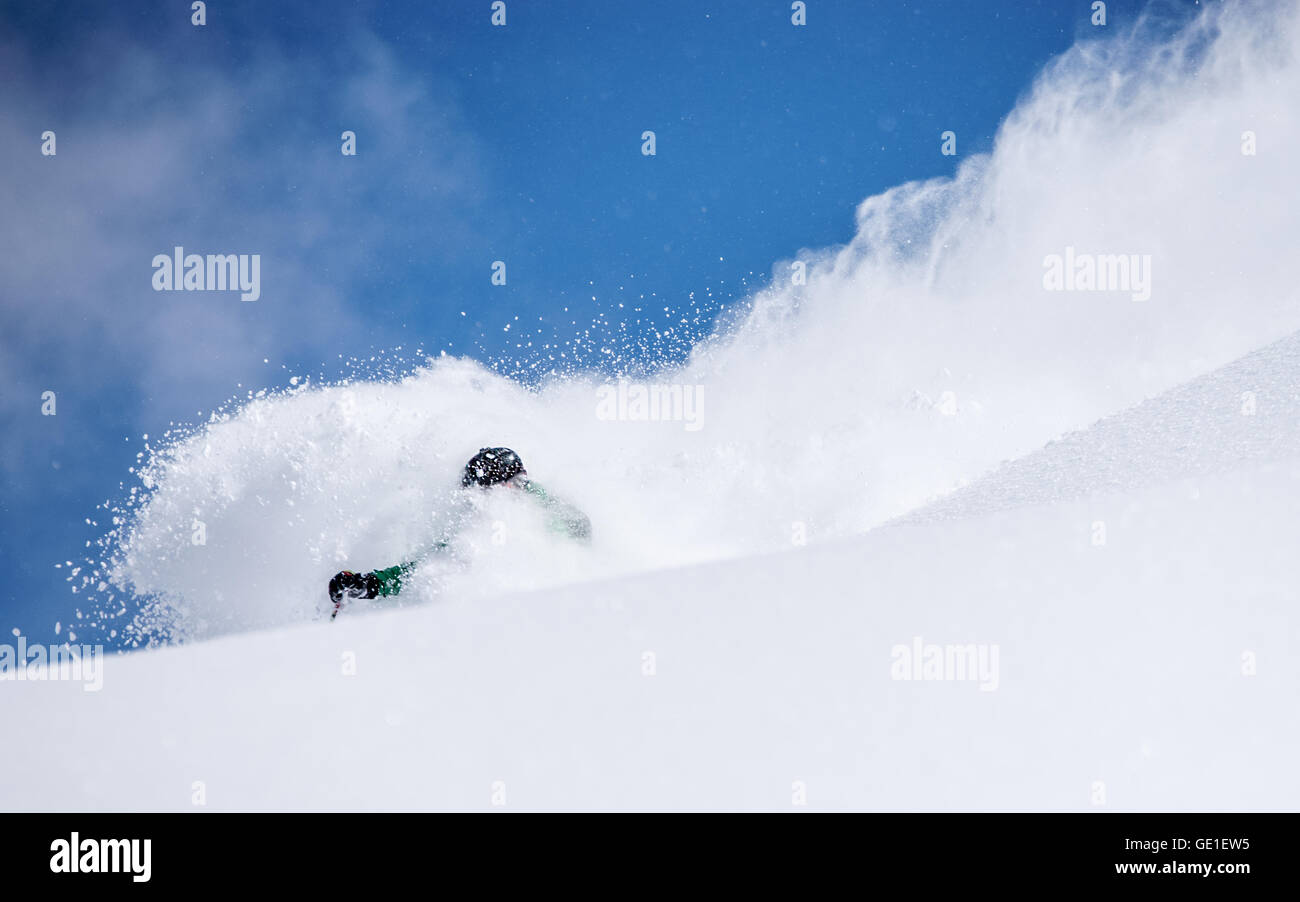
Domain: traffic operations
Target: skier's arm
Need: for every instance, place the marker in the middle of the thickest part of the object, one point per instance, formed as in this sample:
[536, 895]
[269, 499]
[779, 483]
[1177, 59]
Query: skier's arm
[389, 580]
[377, 583]
[564, 517]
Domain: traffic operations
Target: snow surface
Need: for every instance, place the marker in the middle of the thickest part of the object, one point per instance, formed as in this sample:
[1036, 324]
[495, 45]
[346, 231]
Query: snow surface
[1241, 414]
[1137, 577]
[1119, 664]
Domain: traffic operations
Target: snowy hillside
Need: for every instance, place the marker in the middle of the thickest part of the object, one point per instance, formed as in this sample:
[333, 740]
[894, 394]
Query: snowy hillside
[1143, 640]
[1242, 414]
[1120, 663]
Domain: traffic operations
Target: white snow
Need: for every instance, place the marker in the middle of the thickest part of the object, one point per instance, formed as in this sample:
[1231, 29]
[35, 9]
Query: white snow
[1119, 664]
[1238, 415]
[1142, 608]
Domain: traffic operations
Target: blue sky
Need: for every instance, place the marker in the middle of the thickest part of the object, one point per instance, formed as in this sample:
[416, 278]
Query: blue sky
[475, 144]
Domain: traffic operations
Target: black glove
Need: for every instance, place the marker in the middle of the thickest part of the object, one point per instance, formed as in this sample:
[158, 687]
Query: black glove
[347, 584]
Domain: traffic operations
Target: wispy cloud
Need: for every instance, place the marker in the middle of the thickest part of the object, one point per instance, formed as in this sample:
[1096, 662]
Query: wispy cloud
[154, 151]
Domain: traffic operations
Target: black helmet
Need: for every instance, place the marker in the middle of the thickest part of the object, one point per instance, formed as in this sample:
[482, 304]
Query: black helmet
[492, 466]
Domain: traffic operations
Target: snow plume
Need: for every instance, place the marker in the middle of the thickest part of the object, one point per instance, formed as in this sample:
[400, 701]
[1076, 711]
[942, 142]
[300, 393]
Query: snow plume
[862, 382]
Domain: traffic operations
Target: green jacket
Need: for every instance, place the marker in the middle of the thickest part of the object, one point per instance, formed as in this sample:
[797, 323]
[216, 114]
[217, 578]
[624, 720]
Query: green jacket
[562, 518]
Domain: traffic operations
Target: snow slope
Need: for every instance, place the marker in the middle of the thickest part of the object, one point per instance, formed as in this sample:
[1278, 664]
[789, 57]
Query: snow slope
[1143, 666]
[1120, 664]
[1244, 413]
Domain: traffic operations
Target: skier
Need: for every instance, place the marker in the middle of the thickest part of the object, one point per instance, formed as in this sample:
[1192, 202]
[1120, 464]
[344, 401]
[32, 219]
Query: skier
[489, 468]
